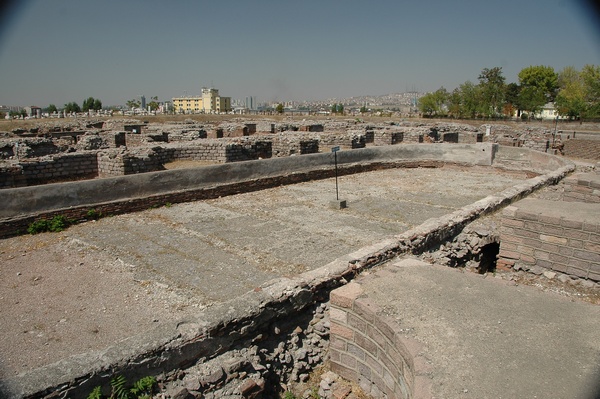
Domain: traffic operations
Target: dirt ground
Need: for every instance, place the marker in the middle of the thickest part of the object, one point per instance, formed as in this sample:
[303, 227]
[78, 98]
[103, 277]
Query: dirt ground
[96, 283]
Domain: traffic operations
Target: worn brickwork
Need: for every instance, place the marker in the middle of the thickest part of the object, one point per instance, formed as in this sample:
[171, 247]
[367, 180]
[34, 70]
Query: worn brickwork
[551, 235]
[582, 188]
[51, 169]
[387, 137]
[286, 144]
[366, 348]
[351, 139]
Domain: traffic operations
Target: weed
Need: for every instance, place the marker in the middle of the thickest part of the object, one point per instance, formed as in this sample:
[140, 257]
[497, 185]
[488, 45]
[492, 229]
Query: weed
[141, 389]
[288, 395]
[56, 224]
[168, 205]
[94, 214]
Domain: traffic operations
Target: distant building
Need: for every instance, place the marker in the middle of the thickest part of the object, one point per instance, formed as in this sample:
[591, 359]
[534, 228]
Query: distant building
[208, 102]
[33, 112]
[250, 103]
[143, 102]
[547, 112]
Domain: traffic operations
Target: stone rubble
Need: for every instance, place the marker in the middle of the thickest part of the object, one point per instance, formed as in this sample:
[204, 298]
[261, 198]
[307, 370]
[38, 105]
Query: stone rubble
[269, 365]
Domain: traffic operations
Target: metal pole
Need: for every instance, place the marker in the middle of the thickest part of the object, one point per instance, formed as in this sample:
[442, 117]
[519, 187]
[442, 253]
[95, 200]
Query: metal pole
[337, 197]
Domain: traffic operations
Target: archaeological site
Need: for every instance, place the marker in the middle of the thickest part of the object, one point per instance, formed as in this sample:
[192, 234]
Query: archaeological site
[295, 258]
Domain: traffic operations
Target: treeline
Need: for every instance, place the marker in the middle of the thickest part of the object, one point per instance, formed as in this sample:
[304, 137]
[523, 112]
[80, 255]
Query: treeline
[575, 94]
[90, 103]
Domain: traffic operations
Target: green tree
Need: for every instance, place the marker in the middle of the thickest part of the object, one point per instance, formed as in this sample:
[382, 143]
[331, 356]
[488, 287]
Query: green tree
[72, 107]
[570, 100]
[337, 108]
[153, 105]
[455, 107]
[432, 104]
[590, 74]
[97, 105]
[51, 109]
[492, 89]
[539, 85]
[470, 102]
[279, 108]
[87, 104]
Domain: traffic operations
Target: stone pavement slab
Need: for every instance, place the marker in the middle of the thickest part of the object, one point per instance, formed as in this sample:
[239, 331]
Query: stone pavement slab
[488, 338]
[68, 293]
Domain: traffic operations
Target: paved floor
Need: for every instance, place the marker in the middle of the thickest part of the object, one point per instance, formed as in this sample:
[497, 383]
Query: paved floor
[67, 293]
[488, 338]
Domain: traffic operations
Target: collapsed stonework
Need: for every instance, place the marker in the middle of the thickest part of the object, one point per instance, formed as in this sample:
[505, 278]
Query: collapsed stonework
[54, 153]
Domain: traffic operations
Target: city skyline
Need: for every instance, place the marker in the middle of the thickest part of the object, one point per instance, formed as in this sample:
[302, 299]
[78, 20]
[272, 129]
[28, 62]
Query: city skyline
[66, 50]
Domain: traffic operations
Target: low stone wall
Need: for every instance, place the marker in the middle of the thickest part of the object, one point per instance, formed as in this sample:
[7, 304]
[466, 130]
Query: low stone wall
[539, 235]
[288, 143]
[182, 183]
[583, 187]
[367, 348]
[351, 139]
[52, 169]
[387, 137]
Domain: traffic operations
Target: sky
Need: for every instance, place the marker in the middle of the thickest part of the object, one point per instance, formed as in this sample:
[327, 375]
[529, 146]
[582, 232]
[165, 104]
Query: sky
[58, 51]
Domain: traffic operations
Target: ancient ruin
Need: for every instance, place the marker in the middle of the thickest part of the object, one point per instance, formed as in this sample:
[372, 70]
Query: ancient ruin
[281, 324]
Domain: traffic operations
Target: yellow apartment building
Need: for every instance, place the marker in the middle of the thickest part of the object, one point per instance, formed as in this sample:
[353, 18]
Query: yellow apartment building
[209, 102]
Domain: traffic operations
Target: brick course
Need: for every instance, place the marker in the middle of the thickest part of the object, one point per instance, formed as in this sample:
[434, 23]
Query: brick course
[554, 236]
[367, 348]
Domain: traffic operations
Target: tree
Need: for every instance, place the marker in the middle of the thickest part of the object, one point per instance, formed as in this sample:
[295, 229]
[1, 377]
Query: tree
[87, 104]
[153, 105]
[97, 105]
[51, 109]
[455, 107]
[491, 84]
[590, 74]
[433, 104]
[337, 108]
[539, 85]
[570, 98]
[279, 108]
[470, 103]
[72, 107]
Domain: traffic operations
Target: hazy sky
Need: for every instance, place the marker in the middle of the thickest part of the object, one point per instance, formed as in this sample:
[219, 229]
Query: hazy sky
[56, 51]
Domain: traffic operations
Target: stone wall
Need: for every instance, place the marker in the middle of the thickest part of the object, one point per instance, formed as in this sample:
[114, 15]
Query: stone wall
[583, 187]
[288, 143]
[342, 139]
[50, 169]
[387, 137]
[541, 235]
[367, 348]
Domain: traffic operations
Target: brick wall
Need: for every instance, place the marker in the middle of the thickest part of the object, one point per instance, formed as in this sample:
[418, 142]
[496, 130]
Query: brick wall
[583, 187]
[366, 348]
[48, 170]
[387, 137]
[285, 144]
[351, 139]
[551, 235]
